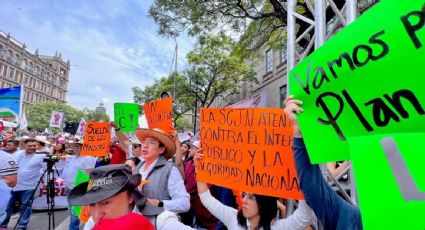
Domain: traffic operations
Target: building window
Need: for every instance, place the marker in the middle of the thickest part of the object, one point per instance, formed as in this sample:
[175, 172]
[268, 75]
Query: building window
[1, 51]
[269, 61]
[283, 54]
[37, 84]
[23, 63]
[17, 60]
[282, 91]
[10, 72]
[24, 79]
[9, 56]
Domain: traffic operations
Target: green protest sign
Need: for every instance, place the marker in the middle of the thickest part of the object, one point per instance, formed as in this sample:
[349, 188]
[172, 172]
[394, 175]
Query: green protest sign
[391, 181]
[366, 80]
[126, 116]
[81, 177]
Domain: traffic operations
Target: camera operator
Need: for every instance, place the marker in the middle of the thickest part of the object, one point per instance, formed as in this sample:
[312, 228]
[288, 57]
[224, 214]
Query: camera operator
[73, 163]
[30, 166]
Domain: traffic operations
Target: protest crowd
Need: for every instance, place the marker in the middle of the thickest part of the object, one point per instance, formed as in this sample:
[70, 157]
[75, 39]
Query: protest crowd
[147, 179]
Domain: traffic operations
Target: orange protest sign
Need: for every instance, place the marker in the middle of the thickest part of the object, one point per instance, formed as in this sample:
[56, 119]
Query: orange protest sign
[85, 214]
[97, 139]
[248, 149]
[159, 114]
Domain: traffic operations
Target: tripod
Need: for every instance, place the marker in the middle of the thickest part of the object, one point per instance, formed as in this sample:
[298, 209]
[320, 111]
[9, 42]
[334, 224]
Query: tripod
[50, 194]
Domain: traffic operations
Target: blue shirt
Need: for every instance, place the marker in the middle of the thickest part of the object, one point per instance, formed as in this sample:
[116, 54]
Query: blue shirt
[332, 211]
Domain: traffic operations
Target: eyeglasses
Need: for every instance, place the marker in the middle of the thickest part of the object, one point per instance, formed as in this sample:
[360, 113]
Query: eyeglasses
[249, 196]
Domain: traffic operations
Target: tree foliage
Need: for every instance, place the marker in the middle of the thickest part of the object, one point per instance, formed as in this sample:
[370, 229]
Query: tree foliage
[183, 101]
[95, 115]
[38, 115]
[259, 21]
[215, 71]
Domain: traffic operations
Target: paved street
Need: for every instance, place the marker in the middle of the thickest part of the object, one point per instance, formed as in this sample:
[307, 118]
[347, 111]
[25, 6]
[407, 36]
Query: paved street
[40, 220]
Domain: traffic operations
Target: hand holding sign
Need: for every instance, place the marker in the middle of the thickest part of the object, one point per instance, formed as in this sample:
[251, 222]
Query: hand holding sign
[366, 80]
[248, 149]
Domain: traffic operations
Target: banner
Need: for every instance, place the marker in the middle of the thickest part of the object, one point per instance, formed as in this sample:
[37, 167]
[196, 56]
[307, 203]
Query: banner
[56, 119]
[40, 199]
[391, 181]
[366, 80]
[248, 149]
[81, 128]
[126, 116]
[258, 100]
[23, 123]
[159, 114]
[11, 103]
[97, 139]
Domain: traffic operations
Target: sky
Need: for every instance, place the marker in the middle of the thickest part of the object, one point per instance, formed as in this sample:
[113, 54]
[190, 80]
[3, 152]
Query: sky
[112, 45]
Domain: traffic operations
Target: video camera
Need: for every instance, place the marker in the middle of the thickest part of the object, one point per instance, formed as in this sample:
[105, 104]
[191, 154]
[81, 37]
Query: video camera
[49, 158]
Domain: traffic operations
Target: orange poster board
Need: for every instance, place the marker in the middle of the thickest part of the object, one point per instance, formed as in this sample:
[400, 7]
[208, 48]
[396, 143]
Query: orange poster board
[97, 139]
[159, 114]
[250, 150]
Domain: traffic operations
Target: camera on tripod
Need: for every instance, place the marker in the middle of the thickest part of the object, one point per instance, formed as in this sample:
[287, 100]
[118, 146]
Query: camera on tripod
[49, 159]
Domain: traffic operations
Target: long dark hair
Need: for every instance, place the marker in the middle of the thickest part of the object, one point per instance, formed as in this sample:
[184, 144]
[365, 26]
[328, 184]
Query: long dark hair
[267, 209]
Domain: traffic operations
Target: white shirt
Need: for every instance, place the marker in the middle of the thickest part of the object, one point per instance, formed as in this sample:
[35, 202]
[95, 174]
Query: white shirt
[30, 169]
[180, 199]
[8, 165]
[301, 218]
[73, 164]
[166, 221]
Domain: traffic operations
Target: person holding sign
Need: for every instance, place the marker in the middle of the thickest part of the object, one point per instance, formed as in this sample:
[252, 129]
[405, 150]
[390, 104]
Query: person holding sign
[165, 189]
[332, 211]
[258, 211]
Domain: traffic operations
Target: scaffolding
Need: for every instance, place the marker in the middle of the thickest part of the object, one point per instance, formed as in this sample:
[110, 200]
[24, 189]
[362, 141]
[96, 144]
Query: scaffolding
[320, 28]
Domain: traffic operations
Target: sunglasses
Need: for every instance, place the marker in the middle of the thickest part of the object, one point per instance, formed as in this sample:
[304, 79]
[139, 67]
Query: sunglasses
[137, 146]
[249, 196]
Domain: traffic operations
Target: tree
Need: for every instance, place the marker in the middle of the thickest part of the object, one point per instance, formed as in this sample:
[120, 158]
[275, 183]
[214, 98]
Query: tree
[38, 114]
[95, 115]
[267, 19]
[214, 71]
[183, 101]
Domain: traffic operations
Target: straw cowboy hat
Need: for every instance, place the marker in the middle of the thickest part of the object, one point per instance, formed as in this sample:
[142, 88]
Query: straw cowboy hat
[42, 139]
[170, 146]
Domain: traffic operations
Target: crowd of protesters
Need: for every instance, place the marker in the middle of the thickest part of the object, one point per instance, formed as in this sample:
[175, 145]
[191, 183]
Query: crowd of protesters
[148, 181]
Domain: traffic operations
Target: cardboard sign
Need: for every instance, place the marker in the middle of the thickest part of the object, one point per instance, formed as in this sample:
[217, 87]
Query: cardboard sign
[366, 80]
[56, 119]
[126, 116]
[159, 114]
[97, 139]
[391, 181]
[81, 211]
[248, 149]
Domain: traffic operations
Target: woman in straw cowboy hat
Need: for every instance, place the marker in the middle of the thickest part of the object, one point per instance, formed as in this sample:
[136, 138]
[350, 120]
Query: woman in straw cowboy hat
[165, 188]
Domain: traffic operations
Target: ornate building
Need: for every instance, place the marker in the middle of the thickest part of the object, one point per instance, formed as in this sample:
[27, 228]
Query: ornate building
[44, 78]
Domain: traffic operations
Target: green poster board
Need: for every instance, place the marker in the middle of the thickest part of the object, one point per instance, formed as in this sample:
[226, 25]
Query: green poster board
[81, 177]
[126, 116]
[386, 199]
[366, 80]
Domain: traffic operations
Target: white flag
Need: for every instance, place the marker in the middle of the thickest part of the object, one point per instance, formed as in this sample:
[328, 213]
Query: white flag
[81, 128]
[23, 124]
[56, 119]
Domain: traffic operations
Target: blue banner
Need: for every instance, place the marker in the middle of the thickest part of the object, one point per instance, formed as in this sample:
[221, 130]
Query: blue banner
[10, 103]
